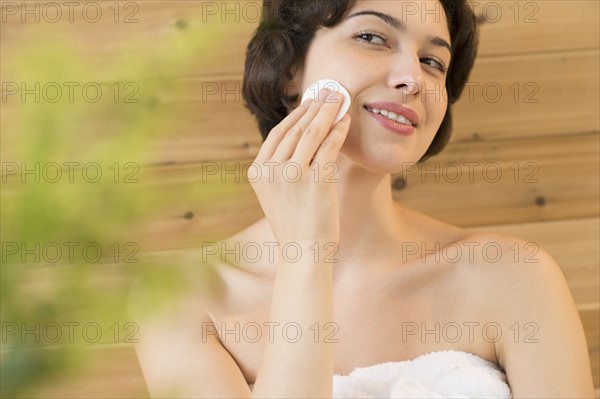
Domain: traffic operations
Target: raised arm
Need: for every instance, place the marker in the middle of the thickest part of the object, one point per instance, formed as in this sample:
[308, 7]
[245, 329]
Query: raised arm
[303, 213]
[179, 358]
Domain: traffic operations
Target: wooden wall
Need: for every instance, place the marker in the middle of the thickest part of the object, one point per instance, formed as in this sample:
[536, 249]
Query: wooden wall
[545, 125]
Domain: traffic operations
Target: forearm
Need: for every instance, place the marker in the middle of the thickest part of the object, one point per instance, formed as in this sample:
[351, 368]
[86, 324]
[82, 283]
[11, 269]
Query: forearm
[303, 367]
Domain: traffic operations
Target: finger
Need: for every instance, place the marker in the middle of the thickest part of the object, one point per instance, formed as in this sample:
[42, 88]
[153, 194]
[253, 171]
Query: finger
[330, 148]
[288, 144]
[276, 134]
[318, 129]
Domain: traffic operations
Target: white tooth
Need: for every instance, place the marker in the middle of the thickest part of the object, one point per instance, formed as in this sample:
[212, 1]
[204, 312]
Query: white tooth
[391, 115]
[399, 119]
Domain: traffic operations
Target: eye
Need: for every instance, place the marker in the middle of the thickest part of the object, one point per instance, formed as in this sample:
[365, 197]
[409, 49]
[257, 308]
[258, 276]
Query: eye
[367, 37]
[441, 66]
[361, 35]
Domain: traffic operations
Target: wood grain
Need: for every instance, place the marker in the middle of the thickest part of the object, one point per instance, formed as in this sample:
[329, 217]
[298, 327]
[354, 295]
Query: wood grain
[543, 56]
[488, 183]
[515, 27]
[511, 97]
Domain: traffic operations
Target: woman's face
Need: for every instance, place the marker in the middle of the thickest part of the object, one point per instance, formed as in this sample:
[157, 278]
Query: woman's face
[399, 66]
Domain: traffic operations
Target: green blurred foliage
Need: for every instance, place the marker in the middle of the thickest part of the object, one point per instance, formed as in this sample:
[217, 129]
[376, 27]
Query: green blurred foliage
[80, 289]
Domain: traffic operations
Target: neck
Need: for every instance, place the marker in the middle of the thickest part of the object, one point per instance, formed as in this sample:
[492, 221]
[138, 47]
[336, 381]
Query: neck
[372, 225]
[371, 222]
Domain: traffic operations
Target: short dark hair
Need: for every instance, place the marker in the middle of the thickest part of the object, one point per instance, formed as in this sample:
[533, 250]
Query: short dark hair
[281, 41]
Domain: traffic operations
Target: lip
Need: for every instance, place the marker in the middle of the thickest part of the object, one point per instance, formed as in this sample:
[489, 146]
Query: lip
[406, 112]
[396, 127]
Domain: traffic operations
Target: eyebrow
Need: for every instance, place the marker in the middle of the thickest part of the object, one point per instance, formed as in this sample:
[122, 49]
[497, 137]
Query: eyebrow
[401, 26]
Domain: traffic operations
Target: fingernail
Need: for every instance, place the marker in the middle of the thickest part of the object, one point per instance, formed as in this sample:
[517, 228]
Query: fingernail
[306, 102]
[344, 118]
[324, 93]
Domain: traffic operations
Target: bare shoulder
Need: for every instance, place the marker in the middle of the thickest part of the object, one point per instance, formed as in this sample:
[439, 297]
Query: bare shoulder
[514, 267]
[190, 278]
[542, 344]
[179, 349]
[512, 272]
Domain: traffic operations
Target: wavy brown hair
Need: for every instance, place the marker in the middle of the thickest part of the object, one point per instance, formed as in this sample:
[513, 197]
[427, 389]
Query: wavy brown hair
[281, 41]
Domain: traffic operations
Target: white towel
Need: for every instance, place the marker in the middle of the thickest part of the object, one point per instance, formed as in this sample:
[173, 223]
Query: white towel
[441, 374]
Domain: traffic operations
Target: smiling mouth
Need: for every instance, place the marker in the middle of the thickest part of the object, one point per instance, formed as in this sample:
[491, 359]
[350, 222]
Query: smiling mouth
[394, 117]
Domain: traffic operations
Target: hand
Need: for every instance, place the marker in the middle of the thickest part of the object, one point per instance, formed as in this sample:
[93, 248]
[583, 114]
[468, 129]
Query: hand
[295, 175]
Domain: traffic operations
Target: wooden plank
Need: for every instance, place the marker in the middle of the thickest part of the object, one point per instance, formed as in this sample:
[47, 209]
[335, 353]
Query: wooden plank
[486, 183]
[468, 203]
[590, 318]
[525, 27]
[518, 96]
[196, 123]
[477, 116]
[111, 371]
[573, 243]
[510, 27]
[551, 178]
[105, 35]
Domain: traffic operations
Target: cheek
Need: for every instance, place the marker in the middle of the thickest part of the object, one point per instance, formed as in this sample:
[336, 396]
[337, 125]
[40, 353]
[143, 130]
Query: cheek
[330, 67]
[329, 58]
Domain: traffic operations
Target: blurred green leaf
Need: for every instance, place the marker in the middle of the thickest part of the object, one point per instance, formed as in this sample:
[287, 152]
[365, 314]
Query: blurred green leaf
[38, 216]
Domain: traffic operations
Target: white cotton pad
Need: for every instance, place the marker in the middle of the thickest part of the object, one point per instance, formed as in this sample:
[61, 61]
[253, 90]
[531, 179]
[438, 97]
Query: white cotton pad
[333, 85]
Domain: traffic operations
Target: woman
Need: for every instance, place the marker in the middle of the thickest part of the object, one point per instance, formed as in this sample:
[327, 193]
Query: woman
[346, 293]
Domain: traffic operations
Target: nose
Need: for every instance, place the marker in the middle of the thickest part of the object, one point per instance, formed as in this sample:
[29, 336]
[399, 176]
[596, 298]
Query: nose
[406, 74]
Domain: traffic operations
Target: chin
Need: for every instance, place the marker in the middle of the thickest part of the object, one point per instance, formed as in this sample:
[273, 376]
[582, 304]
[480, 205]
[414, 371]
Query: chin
[384, 154]
[375, 160]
